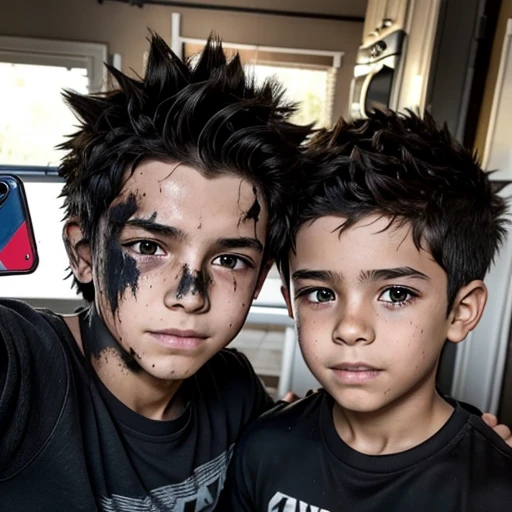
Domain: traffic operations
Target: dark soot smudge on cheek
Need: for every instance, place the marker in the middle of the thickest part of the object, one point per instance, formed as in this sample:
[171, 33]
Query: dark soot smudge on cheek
[120, 270]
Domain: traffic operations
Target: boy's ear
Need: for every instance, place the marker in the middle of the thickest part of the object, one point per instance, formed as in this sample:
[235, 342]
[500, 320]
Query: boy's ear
[285, 292]
[261, 278]
[79, 251]
[467, 310]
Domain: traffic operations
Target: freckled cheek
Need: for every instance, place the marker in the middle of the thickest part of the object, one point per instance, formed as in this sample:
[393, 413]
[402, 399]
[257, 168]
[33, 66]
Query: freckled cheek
[232, 307]
[308, 337]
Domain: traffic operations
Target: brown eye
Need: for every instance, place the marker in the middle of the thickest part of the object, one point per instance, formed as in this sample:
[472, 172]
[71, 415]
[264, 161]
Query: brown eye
[398, 294]
[231, 262]
[148, 248]
[228, 261]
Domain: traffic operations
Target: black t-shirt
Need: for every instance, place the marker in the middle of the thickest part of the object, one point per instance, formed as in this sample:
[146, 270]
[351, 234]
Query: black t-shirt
[292, 459]
[66, 443]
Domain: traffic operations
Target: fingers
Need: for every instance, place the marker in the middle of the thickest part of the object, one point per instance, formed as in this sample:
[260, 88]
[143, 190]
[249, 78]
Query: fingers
[490, 419]
[502, 430]
[290, 397]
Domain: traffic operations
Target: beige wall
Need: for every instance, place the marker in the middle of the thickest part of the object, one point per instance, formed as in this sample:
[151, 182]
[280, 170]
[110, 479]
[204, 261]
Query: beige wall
[124, 28]
[492, 76]
[336, 7]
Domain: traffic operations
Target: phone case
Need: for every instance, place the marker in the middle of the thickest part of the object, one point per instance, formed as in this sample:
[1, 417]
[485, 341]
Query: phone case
[18, 253]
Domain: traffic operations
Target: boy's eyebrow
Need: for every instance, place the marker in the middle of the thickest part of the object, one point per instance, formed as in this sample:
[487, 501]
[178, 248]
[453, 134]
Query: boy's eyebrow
[366, 275]
[156, 228]
[317, 275]
[240, 243]
[383, 274]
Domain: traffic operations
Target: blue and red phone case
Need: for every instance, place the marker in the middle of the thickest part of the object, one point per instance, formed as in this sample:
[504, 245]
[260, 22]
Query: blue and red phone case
[18, 253]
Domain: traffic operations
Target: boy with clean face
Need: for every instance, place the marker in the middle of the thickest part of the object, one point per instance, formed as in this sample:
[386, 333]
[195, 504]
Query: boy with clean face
[395, 229]
[176, 188]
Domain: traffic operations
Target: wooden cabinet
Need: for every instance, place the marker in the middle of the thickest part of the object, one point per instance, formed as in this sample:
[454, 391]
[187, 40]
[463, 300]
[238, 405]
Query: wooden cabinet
[383, 17]
[375, 11]
[396, 11]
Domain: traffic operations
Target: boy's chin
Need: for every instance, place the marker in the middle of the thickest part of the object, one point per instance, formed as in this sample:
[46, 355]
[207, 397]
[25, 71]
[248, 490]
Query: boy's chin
[358, 402]
[173, 370]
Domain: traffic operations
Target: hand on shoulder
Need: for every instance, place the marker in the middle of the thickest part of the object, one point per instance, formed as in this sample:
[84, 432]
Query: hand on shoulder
[502, 430]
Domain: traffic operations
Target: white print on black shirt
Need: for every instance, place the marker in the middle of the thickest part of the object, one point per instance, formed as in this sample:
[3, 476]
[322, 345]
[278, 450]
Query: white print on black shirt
[198, 493]
[283, 503]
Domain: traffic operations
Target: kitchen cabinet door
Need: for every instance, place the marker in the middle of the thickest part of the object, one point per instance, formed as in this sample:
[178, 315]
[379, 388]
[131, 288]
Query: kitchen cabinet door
[375, 12]
[396, 12]
[383, 17]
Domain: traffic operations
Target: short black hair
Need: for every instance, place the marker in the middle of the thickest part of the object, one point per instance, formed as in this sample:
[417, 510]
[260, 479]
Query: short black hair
[413, 172]
[209, 115]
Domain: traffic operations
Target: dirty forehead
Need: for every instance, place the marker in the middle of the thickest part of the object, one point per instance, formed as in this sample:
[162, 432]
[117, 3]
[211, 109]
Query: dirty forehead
[174, 191]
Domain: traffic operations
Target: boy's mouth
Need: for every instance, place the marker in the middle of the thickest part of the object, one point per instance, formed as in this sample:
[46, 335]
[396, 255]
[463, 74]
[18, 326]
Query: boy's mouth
[355, 367]
[355, 373]
[180, 333]
[179, 339]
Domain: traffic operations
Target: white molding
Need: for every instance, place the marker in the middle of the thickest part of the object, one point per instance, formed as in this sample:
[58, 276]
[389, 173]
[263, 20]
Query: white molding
[428, 45]
[26, 50]
[337, 57]
[176, 40]
[116, 60]
[493, 118]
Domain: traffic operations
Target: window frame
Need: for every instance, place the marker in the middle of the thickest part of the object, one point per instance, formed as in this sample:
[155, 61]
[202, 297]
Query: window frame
[49, 52]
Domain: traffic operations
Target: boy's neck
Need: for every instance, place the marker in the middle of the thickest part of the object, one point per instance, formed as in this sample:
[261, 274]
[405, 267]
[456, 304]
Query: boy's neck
[153, 398]
[399, 427]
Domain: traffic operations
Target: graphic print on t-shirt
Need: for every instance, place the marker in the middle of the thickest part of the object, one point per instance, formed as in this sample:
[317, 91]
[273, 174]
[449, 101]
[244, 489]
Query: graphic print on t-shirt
[282, 503]
[197, 493]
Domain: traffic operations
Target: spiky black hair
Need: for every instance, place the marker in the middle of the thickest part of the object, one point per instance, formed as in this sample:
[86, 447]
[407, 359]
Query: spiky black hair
[413, 172]
[210, 116]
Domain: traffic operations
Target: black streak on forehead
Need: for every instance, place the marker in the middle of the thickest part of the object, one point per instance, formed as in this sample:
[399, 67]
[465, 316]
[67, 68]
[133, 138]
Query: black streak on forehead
[255, 209]
[192, 282]
[120, 270]
[254, 212]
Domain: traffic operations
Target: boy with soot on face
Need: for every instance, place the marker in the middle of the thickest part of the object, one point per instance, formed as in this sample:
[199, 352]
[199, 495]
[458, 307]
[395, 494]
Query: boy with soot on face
[395, 229]
[175, 192]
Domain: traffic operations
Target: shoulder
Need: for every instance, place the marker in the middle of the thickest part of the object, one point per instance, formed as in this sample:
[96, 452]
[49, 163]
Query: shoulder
[489, 460]
[287, 422]
[486, 439]
[228, 378]
[21, 313]
[228, 368]
[21, 323]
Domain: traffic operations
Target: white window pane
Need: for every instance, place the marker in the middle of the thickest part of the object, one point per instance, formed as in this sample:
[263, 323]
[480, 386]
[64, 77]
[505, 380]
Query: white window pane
[311, 88]
[33, 117]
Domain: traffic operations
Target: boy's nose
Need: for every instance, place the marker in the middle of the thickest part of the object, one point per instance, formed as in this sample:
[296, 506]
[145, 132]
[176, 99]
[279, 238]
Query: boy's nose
[354, 325]
[189, 292]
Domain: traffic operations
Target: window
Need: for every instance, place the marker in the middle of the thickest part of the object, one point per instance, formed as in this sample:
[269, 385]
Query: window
[312, 88]
[33, 74]
[308, 76]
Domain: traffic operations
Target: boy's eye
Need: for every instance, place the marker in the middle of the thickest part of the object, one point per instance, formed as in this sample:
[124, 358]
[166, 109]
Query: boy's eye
[147, 248]
[320, 295]
[396, 294]
[230, 261]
